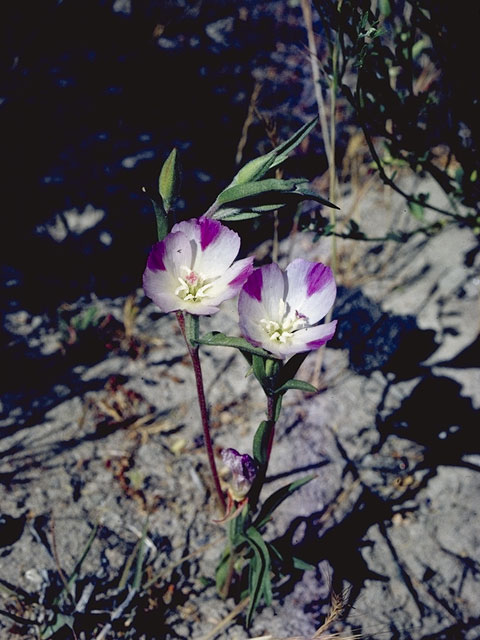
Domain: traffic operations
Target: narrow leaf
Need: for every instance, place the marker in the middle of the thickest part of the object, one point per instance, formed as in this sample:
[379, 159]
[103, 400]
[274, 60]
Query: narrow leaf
[260, 442]
[241, 215]
[298, 563]
[258, 367]
[219, 339]
[222, 570]
[76, 570]
[283, 150]
[137, 579]
[259, 572]
[260, 201]
[273, 501]
[274, 551]
[161, 219]
[301, 385]
[128, 566]
[278, 406]
[290, 368]
[61, 620]
[258, 167]
[252, 211]
[308, 194]
[249, 189]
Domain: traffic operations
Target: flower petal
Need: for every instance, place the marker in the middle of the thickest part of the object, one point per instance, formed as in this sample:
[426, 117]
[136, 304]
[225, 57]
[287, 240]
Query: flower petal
[159, 286]
[230, 283]
[204, 308]
[218, 248]
[177, 253]
[273, 290]
[313, 337]
[311, 289]
[250, 312]
[190, 228]
[259, 300]
[254, 284]
[155, 257]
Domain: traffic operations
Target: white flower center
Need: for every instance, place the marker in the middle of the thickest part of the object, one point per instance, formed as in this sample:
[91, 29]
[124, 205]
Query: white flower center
[289, 321]
[193, 286]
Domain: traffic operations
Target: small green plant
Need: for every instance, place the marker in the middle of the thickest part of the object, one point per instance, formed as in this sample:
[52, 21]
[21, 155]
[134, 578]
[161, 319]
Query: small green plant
[84, 603]
[74, 326]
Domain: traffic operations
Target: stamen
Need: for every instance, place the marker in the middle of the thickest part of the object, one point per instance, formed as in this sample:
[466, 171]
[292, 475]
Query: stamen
[192, 286]
[290, 320]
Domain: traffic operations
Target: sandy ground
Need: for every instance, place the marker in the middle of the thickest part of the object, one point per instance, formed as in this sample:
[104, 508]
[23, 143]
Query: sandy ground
[106, 429]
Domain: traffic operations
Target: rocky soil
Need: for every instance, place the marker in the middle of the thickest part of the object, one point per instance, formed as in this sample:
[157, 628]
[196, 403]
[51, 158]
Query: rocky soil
[100, 428]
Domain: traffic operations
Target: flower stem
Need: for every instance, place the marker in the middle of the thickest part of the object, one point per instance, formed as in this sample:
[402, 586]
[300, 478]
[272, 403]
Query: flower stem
[271, 417]
[197, 369]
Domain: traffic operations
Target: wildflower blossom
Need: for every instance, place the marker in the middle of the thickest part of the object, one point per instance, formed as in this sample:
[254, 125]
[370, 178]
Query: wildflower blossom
[243, 470]
[280, 310]
[191, 268]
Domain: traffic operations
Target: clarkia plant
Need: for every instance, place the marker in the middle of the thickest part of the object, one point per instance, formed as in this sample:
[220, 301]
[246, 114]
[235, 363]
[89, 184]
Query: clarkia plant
[191, 270]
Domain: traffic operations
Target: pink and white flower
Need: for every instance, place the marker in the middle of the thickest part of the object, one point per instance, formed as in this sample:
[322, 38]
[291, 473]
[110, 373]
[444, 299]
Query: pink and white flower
[280, 310]
[191, 268]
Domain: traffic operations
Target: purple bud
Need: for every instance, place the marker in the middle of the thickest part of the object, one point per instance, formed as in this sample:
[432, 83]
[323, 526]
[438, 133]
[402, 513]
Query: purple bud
[243, 470]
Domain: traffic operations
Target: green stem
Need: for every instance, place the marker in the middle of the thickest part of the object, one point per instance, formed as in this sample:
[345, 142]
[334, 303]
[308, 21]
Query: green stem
[190, 330]
[231, 560]
[272, 401]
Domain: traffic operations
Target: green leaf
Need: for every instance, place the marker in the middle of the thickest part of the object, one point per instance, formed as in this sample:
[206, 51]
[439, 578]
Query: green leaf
[263, 196]
[258, 167]
[250, 189]
[308, 194]
[236, 528]
[241, 215]
[273, 501]
[128, 566]
[298, 563]
[260, 442]
[274, 551]
[278, 406]
[137, 578]
[76, 570]
[161, 219]
[192, 327]
[258, 368]
[222, 570]
[170, 180]
[290, 368]
[385, 8]
[60, 620]
[417, 210]
[259, 572]
[219, 339]
[301, 385]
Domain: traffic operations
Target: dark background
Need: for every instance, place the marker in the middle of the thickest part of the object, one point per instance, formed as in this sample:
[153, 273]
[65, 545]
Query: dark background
[94, 99]
[95, 94]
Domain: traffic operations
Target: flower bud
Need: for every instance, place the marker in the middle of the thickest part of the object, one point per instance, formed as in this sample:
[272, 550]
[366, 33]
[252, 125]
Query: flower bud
[243, 470]
[170, 180]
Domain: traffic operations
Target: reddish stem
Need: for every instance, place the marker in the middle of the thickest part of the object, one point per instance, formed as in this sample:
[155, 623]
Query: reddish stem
[197, 369]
